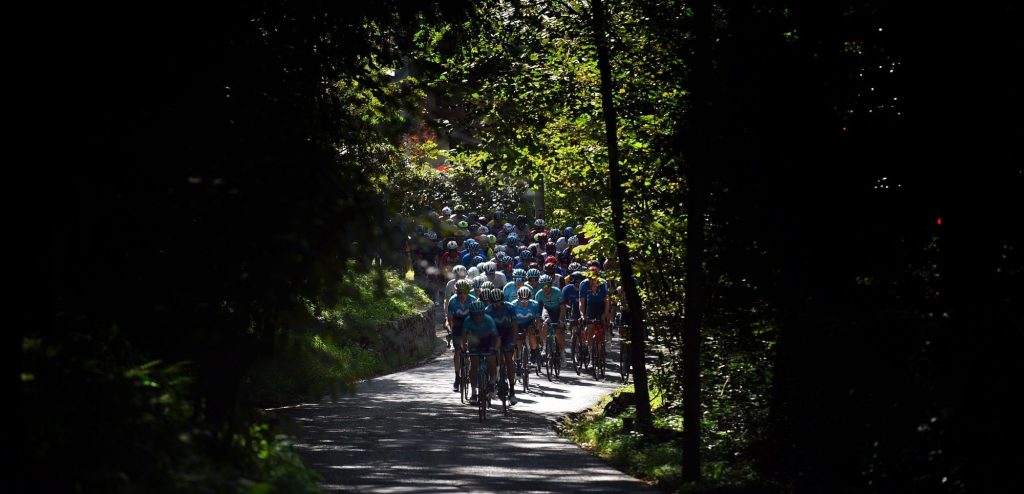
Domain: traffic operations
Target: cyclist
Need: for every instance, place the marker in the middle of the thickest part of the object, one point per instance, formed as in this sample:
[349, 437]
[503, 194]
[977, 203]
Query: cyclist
[551, 270]
[460, 273]
[449, 257]
[550, 298]
[478, 281]
[512, 287]
[493, 275]
[525, 257]
[594, 305]
[456, 310]
[567, 255]
[504, 318]
[538, 227]
[533, 280]
[527, 312]
[481, 336]
[522, 229]
[571, 295]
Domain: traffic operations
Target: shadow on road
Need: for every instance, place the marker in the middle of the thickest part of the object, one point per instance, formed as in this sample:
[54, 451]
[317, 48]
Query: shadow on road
[407, 432]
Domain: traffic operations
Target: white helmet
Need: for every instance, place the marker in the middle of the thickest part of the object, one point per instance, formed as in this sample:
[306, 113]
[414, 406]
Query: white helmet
[460, 271]
[473, 272]
[574, 241]
[452, 245]
[539, 223]
[447, 211]
[482, 230]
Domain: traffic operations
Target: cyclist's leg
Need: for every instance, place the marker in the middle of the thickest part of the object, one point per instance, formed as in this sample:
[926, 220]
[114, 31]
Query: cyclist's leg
[492, 368]
[474, 367]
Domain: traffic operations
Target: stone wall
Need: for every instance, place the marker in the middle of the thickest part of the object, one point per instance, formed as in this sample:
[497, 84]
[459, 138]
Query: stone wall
[408, 339]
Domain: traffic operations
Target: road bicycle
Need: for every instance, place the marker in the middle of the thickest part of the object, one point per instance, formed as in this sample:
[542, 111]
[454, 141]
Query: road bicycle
[577, 348]
[464, 377]
[595, 337]
[482, 384]
[502, 387]
[552, 351]
[522, 362]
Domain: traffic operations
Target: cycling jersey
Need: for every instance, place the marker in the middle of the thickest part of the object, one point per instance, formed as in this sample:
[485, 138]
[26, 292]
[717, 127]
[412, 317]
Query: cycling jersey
[480, 335]
[458, 311]
[510, 291]
[503, 320]
[526, 315]
[533, 289]
[571, 295]
[498, 279]
[594, 301]
[449, 289]
[551, 303]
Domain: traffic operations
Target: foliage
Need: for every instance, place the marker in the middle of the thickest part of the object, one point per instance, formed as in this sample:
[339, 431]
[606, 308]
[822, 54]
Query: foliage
[654, 457]
[826, 239]
[334, 349]
[222, 170]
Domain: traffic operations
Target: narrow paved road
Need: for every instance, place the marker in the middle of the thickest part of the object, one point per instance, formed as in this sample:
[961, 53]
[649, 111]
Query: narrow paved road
[408, 432]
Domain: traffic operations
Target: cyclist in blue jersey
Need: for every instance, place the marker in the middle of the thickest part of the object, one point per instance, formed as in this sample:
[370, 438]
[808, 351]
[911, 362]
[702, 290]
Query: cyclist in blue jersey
[594, 303]
[504, 318]
[460, 273]
[526, 257]
[550, 298]
[532, 277]
[481, 336]
[571, 294]
[458, 310]
[518, 280]
[527, 312]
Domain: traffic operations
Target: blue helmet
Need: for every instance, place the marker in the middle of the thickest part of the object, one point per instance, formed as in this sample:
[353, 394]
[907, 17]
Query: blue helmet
[478, 259]
[525, 255]
[476, 307]
[567, 231]
[533, 273]
[555, 233]
[508, 227]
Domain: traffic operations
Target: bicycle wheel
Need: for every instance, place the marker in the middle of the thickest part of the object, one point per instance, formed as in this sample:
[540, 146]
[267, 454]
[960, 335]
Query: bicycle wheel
[624, 361]
[547, 360]
[557, 364]
[600, 361]
[464, 380]
[481, 388]
[525, 365]
[577, 357]
[503, 384]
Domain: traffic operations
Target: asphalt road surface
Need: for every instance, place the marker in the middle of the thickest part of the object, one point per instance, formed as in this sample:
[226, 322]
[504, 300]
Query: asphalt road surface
[408, 432]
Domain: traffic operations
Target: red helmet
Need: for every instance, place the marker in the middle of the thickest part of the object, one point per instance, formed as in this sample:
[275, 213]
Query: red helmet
[549, 268]
[550, 259]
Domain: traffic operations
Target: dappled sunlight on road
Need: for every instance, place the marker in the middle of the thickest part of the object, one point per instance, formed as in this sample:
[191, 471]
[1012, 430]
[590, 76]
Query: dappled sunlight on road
[408, 432]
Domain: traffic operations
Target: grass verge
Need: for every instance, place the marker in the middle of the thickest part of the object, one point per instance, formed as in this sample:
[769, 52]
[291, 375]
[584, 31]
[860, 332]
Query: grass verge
[607, 430]
[335, 347]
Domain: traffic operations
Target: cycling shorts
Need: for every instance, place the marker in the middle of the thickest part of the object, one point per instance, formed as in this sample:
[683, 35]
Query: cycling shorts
[553, 314]
[456, 329]
[485, 345]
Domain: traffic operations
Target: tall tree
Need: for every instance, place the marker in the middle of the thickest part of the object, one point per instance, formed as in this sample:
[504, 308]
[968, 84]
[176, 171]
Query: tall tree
[694, 283]
[643, 401]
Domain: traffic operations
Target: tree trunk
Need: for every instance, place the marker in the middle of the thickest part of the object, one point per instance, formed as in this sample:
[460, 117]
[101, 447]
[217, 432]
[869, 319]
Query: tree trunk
[538, 200]
[695, 277]
[643, 400]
